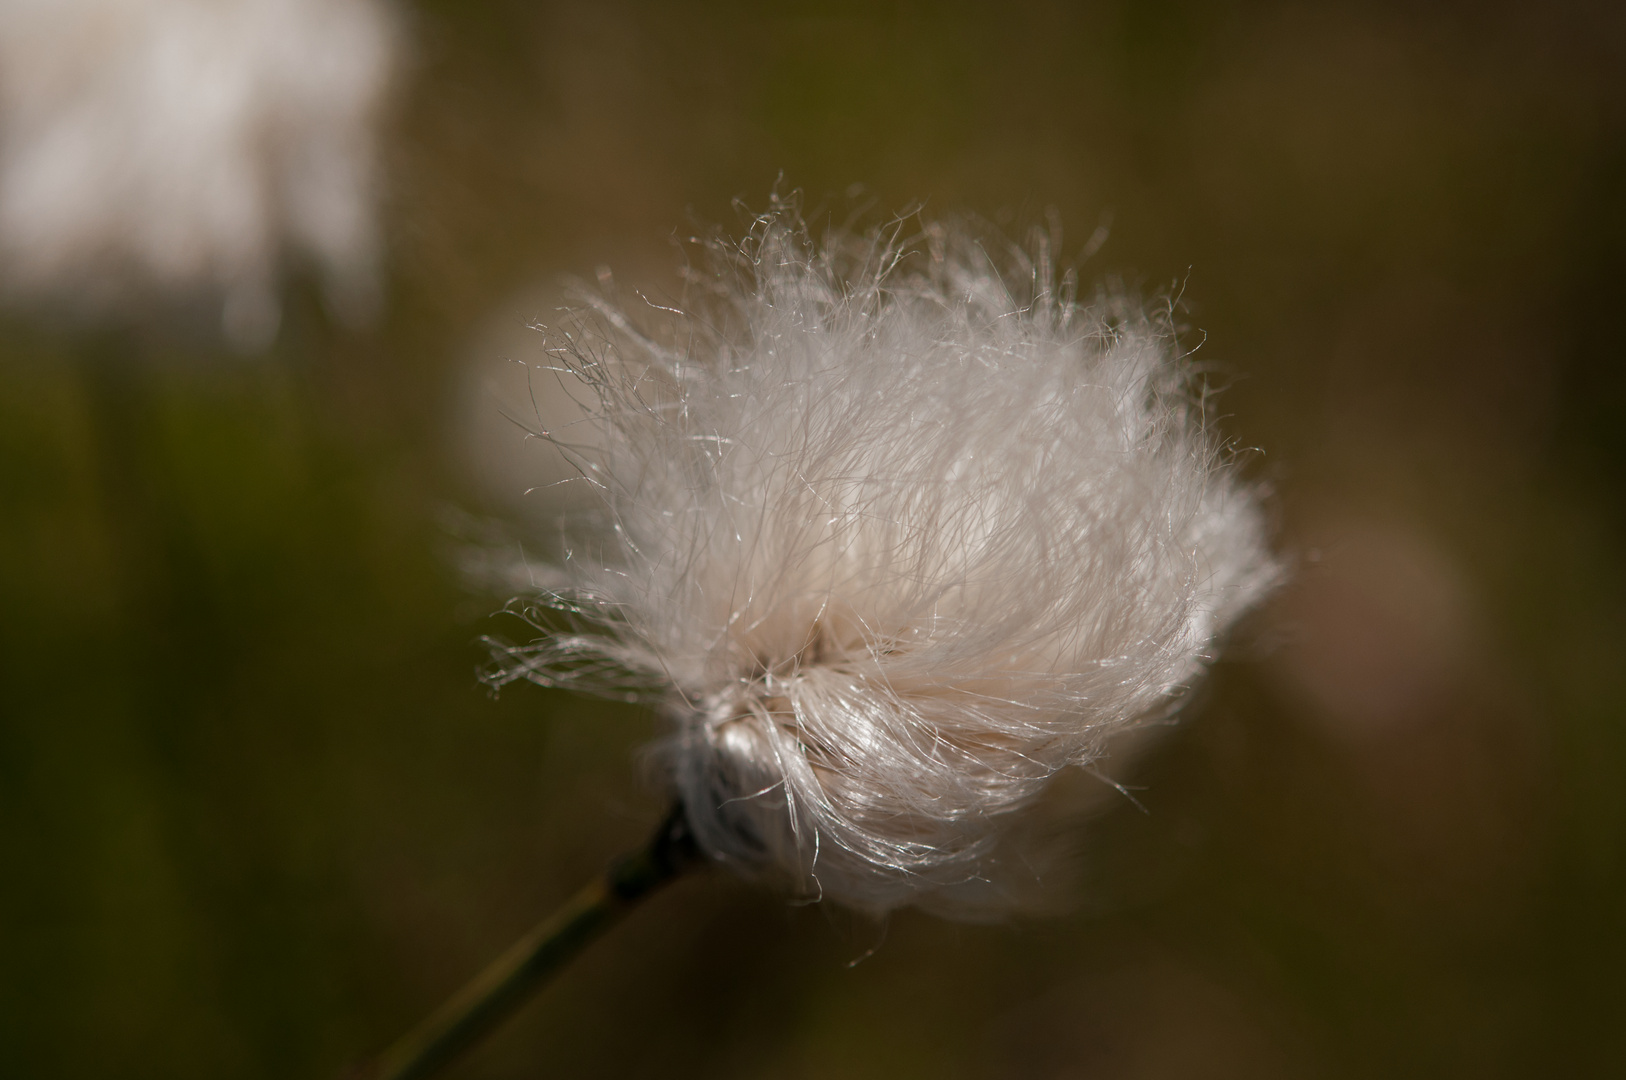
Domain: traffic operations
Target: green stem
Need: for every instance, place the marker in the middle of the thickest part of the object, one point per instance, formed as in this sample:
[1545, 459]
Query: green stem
[504, 986]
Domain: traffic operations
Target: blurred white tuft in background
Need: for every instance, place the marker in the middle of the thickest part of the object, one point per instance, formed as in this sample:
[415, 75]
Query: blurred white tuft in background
[191, 148]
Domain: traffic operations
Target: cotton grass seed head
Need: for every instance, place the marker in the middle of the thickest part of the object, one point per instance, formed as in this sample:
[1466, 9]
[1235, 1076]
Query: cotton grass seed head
[191, 148]
[894, 529]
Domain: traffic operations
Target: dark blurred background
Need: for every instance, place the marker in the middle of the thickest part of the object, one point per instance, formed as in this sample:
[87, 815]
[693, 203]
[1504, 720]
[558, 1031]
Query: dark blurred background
[257, 816]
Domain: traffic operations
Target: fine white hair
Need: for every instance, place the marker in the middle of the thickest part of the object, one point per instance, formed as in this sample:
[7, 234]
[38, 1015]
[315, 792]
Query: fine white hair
[895, 530]
[186, 146]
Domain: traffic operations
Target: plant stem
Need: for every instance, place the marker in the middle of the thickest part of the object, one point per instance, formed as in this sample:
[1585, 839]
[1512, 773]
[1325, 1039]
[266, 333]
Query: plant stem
[504, 986]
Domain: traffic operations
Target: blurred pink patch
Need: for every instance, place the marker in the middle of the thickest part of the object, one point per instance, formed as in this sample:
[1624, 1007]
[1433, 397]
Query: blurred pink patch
[1384, 627]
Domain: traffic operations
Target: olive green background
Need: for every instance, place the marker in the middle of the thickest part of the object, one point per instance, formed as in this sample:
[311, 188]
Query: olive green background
[257, 815]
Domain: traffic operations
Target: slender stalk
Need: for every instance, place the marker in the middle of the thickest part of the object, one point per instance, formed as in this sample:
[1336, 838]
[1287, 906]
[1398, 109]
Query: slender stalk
[504, 986]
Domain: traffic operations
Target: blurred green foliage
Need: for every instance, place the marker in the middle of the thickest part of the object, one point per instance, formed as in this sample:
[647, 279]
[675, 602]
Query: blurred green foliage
[257, 816]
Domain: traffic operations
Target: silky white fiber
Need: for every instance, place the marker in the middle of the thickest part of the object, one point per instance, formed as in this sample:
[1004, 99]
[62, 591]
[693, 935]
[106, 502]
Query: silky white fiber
[894, 527]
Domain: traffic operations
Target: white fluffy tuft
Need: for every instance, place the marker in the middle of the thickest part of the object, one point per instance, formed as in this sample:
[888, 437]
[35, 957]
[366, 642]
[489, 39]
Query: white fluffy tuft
[191, 146]
[899, 533]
